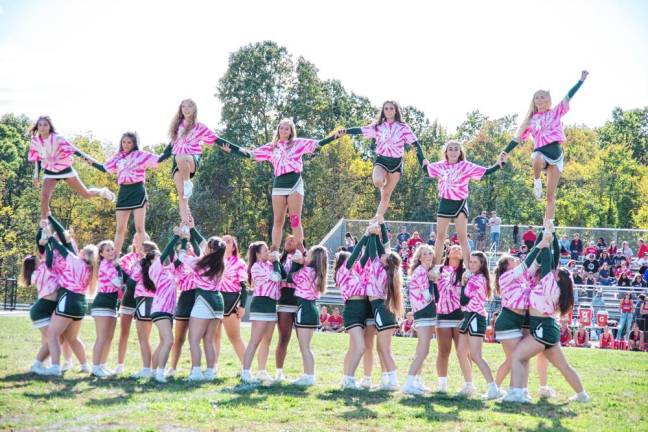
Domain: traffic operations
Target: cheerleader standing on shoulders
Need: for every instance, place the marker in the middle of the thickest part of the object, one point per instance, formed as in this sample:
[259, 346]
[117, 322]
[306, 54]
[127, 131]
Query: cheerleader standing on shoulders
[309, 276]
[391, 135]
[77, 276]
[53, 154]
[543, 123]
[286, 308]
[264, 274]
[473, 327]
[422, 301]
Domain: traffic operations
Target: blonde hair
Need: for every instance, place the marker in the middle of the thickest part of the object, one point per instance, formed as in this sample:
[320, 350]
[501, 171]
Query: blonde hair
[532, 110]
[91, 257]
[102, 245]
[293, 130]
[179, 117]
[416, 258]
[444, 149]
[319, 261]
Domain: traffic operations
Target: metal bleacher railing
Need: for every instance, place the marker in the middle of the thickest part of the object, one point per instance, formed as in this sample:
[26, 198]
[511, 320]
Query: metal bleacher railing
[611, 294]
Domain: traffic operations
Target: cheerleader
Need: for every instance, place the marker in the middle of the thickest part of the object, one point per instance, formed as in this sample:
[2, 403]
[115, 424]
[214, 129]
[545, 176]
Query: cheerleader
[543, 123]
[159, 279]
[53, 154]
[390, 134]
[286, 307]
[309, 276]
[233, 287]
[77, 276]
[104, 308]
[208, 309]
[130, 165]
[187, 134]
[285, 154]
[473, 327]
[264, 274]
[454, 174]
[350, 278]
[552, 294]
[384, 293]
[449, 317]
[421, 297]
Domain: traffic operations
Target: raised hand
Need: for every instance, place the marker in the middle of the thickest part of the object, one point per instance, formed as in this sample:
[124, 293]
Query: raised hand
[584, 75]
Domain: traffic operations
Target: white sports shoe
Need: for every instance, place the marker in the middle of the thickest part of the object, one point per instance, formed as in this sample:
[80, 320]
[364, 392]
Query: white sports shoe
[467, 390]
[187, 189]
[304, 381]
[170, 373]
[582, 397]
[442, 388]
[143, 373]
[264, 378]
[38, 369]
[413, 389]
[350, 384]
[98, 372]
[366, 383]
[159, 377]
[247, 378]
[418, 382]
[196, 376]
[537, 188]
[119, 369]
[515, 397]
[66, 366]
[54, 370]
[279, 377]
[546, 392]
[493, 392]
[210, 375]
[84, 368]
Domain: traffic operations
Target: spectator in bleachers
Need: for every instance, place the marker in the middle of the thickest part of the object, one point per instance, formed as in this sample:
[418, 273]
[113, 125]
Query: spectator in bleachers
[619, 260]
[591, 264]
[564, 245]
[605, 258]
[405, 253]
[636, 316]
[601, 246]
[598, 303]
[637, 282]
[432, 240]
[529, 237]
[414, 240]
[581, 338]
[604, 275]
[495, 224]
[627, 251]
[576, 247]
[565, 334]
[642, 248]
[613, 249]
[626, 308]
[335, 322]
[623, 280]
[636, 338]
[323, 317]
[590, 281]
[407, 327]
[591, 249]
[471, 243]
[643, 263]
[349, 242]
[605, 341]
[571, 266]
[480, 223]
[643, 313]
[579, 277]
[516, 234]
[403, 235]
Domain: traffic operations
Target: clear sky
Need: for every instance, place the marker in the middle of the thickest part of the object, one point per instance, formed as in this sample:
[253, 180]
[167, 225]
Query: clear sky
[112, 66]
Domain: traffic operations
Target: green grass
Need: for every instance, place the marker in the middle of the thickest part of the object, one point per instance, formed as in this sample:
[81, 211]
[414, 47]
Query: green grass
[617, 382]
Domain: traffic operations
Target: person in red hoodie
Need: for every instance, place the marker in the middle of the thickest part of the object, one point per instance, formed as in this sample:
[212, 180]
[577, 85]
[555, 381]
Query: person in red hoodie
[642, 248]
[606, 339]
[415, 240]
[529, 237]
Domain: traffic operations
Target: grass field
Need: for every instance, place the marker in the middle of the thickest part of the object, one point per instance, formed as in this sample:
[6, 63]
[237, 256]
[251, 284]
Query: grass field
[616, 381]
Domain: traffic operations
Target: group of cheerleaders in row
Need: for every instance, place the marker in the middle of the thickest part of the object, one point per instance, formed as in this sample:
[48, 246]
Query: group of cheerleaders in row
[212, 273]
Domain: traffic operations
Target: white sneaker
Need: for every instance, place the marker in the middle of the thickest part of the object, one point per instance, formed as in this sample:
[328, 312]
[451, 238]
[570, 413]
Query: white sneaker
[54, 370]
[413, 389]
[107, 370]
[493, 392]
[304, 381]
[119, 369]
[38, 369]
[143, 373]
[84, 368]
[264, 378]
[66, 366]
[515, 397]
[279, 377]
[247, 378]
[98, 372]
[418, 382]
[196, 376]
[170, 373]
[366, 383]
[187, 189]
[442, 388]
[159, 377]
[582, 397]
[466, 391]
[546, 392]
[527, 397]
[210, 375]
[537, 188]
[350, 384]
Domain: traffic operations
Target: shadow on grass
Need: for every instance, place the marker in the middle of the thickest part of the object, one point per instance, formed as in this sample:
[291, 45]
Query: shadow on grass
[428, 404]
[552, 413]
[357, 400]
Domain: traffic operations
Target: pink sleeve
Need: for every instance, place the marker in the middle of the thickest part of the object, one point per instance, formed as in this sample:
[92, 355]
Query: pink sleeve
[33, 155]
[205, 134]
[65, 148]
[127, 262]
[408, 135]
[301, 276]
[149, 160]
[474, 171]
[263, 153]
[242, 271]
[434, 169]
[304, 146]
[75, 263]
[111, 164]
[562, 108]
[369, 131]
[259, 274]
[525, 133]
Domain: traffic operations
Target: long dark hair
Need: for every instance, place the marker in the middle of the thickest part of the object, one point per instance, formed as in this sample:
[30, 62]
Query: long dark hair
[394, 300]
[133, 137]
[213, 262]
[27, 269]
[253, 250]
[502, 267]
[34, 129]
[380, 119]
[566, 285]
[483, 269]
[151, 250]
[340, 259]
[460, 270]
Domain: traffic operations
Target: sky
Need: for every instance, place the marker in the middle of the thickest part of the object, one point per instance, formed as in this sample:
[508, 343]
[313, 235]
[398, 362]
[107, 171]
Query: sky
[105, 67]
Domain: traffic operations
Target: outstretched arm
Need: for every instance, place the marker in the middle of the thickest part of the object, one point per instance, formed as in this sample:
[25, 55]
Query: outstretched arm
[356, 252]
[60, 231]
[168, 248]
[573, 90]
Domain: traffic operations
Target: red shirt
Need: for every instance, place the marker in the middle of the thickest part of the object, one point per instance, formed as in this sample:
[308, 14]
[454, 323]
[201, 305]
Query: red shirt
[414, 241]
[591, 250]
[529, 236]
[407, 325]
[626, 306]
[606, 340]
[323, 318]
[642, 250]
[580, 338]
[335, 321]
[565, 336]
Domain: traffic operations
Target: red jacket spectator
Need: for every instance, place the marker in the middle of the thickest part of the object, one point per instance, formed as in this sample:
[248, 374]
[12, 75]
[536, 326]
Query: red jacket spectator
[529, 237]
[643, 249]
[323, 315]
[415, 240]
[606, 339]
[591, 249]
[335, 321]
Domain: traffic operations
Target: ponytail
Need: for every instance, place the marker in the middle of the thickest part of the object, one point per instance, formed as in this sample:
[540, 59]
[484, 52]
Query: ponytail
[253, 250]
[502, 267]
[319, 261]
[394, 300]
[27, 270]
[340, 259]
[566, 285]
[146, 264]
